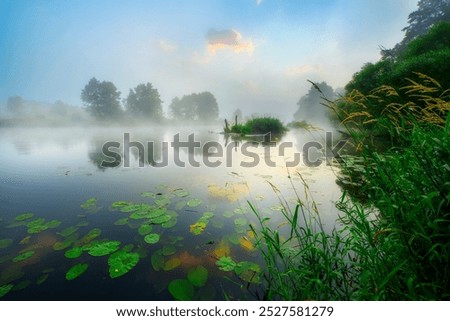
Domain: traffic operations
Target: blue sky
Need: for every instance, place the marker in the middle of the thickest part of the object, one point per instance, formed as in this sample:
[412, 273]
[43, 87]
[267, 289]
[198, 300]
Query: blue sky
[251, 54]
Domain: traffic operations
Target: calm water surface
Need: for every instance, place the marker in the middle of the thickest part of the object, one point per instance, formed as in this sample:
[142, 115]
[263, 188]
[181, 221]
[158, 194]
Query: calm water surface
[52, 172]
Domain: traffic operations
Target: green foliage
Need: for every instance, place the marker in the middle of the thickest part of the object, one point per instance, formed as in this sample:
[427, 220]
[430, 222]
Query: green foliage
[102, 99]
[144, 101]
[181, 290]
[202, 107]
[76, 270]
[121, 263]
[260, 125]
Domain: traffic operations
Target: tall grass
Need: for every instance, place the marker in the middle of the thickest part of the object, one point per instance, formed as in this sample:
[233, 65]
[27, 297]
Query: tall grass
[396, 244]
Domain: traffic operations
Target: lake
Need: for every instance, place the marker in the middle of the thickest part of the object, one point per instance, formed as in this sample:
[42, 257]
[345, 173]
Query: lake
[75, 225]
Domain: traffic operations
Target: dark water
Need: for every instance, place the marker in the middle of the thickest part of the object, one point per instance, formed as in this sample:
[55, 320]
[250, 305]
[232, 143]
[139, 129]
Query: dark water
[51, 172]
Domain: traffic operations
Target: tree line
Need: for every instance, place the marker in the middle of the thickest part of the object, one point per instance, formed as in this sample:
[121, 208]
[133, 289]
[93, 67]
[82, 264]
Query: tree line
[102, 100]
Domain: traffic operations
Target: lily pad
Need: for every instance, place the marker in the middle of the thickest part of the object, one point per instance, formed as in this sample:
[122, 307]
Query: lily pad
[4, 243]
[104, 248]
[128, 247]
[130, 208]
[198, 276]
[76, 270]
[240, 221]
[148, 194]
[24, 256]
[68, 231]
[42, 279]
[120, 204]
[181, 193]
[168, 250]
[121, 221]
[121, 263]
[53, 224]
[226, 263]
[152, 238]
[73, 253]
[170, 223]
[4, 289]
[198, 227]
[228, 214]
[241, 210]
[145, 229]
[157, 260]
[162, 201]
[181, 289]
[91, 235]
[248, 271]
[180, 205]
[171, 264]
[24, 216]
[161, 219]
[89, 204]
[207, 215]
[194, 202]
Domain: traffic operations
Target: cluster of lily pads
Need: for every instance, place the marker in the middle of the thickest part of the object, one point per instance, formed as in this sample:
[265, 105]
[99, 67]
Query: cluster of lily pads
[150, 219]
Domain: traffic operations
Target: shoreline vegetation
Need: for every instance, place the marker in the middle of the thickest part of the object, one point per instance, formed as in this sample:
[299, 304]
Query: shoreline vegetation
[392, 241]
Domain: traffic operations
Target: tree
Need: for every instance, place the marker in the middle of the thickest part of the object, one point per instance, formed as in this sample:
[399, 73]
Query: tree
[202, 106]
[16, 105]
[144, 101]
[102, 99]
[310, 105]
[428, 14]
[237, 116]
[207, 107]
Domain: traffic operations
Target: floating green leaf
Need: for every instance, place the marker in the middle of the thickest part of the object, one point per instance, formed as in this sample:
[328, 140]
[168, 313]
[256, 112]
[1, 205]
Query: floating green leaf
[161, 219]
[121, 221]
[90, 205]
[162, 201]
[24, 256]
[128, 247]
[194, 202]
[198, 227]
[150, 213]
[130, 208]
[168, 250]
[42, 279]
[148, 194]
[53, 224]
[241, 210]
[4, 289]
[73, 253]
[240, 221]
[180, 205]
[91, 235]
[68, 231]
[120, 204]
[104, 248]
[171, 264]
[157, 260]
[76, 270]
[198, 276]
[24, 216]
[4, 243]
[145, 229]
[121, 263]
[248, 271]
[181, 193]
[151, 238]
[226, 263]
[181, 290]
[170, 223]
[208, 215]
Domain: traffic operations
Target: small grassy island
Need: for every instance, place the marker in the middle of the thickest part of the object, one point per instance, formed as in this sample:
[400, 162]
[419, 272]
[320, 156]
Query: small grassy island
[254, 126]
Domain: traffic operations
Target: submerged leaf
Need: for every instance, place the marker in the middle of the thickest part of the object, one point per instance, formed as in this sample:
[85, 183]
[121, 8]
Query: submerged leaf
[198, 276]
[246, 243]
[157, 260]
[241, 210]
[4, 289]
[4, 243]
[151, 238]
[119, 204]
[197, 228]
[248, 271]
[92, 234]
[240, 221]
[23, 217]
[68, 231]
[226, 263]
[42, 279]
[194, 202]
[168, 250]
[144, 229]
[181, 290]
[104, 248]
[76, 270]
[172, 264]
[121, 221]
[148, 194]
[181, 193]
[24, 256]
[121, 263]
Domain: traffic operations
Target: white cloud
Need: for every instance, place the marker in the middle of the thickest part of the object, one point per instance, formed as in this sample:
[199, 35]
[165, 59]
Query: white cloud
[228, 39]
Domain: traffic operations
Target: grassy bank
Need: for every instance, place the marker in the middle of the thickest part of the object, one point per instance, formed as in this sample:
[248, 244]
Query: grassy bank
[396, 244]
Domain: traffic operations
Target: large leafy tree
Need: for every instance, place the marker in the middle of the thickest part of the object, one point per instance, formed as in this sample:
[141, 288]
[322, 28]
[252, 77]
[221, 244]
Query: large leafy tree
[310, 105]
[428, 14]
[144, 101]
[102, 99]
[202, 106]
